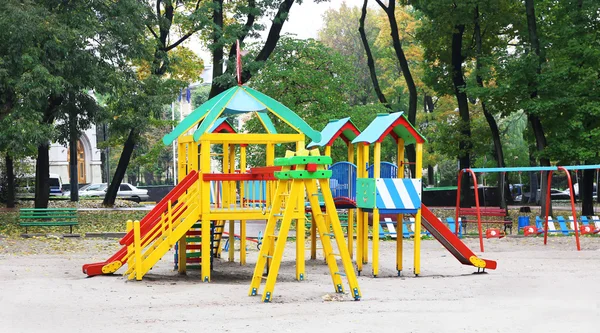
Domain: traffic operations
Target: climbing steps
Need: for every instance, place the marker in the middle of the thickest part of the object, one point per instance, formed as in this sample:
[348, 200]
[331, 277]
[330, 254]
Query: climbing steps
[301, 172]
[193, 247]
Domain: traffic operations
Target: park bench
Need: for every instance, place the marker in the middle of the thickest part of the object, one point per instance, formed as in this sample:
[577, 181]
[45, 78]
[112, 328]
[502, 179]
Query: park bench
[488, 212]
[48, 217]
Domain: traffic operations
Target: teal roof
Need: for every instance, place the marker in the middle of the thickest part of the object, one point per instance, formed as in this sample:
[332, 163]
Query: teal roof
[332, 132]
[390, 123]
[236, 100]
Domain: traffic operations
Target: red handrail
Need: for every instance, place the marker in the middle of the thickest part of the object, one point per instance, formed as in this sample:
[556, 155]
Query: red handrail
[150, 220]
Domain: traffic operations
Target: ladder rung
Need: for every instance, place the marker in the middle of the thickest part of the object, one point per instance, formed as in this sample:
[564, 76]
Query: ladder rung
[264, 277]
[335, 254]
[268, 257]
[278, 215]
[340, 273]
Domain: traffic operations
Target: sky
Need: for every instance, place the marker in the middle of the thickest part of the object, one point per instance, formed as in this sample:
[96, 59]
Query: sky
[304, 21]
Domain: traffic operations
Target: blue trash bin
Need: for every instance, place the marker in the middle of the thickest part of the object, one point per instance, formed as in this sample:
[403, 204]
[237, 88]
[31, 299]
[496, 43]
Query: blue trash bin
[523, 221]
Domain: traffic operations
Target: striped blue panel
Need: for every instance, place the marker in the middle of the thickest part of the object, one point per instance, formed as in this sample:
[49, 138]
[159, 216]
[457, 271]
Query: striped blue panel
[398, 193]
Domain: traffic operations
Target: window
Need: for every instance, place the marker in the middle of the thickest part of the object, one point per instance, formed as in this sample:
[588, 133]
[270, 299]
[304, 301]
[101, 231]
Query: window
[124, 188]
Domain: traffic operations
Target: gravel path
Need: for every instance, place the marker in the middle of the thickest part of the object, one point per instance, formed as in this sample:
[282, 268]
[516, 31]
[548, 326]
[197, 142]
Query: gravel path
[536, 288]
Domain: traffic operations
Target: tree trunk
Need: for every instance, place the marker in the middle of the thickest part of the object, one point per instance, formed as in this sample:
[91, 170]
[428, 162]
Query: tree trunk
[42, 175]
[370, 61]
[111, 192]
[73, 138]
[463, 110]
[217, 49]
[536, 124]
[430, 178]
[586, 191]
[498, 152]
[410, 83]
[10, 182]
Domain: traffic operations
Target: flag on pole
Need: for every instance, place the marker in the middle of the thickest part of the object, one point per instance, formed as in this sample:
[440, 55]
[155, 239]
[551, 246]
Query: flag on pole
[239, 61]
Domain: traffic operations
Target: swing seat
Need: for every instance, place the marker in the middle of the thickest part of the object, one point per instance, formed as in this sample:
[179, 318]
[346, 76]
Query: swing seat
[532, 231]
[494, 233]
[588, 230]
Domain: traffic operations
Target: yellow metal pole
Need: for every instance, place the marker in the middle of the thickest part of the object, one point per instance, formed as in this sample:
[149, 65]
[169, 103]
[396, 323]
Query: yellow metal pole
[365, 214]
[359, 213]
[400, 224]
[242, 194]
[418, 175]
[376, 174]
[205, 209]
[269, 199]
[300, 230]
[232, 202]
[182, 161]
[137, 242]
[193, 150]
[351, 211]
[129, 228]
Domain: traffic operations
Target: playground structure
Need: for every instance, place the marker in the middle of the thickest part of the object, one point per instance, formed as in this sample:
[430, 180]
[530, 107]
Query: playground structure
[576, 227]
[380, 188]
[302, 173]
[391, 195]
[194, 214]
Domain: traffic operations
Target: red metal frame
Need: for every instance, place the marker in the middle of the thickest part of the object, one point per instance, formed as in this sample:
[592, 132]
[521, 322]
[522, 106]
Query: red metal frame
[549, 187]
[573, 211]
[476, 205]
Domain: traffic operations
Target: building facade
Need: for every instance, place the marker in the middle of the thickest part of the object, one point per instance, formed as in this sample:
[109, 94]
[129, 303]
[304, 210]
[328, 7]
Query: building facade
[89, 163]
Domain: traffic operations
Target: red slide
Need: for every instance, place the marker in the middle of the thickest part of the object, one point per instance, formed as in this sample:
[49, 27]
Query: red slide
[451, 242]
[146, 224]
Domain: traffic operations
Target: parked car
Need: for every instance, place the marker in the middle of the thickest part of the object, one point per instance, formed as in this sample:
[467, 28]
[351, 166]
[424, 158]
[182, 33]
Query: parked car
[554, 194]
[126, 191]
[26, 185]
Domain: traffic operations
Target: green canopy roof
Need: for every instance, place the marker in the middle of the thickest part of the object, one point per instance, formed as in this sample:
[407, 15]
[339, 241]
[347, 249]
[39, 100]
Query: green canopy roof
[237, 100]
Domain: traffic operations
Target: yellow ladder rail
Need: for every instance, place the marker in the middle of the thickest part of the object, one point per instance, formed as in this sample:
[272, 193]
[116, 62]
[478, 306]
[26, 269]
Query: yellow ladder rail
[273, 246]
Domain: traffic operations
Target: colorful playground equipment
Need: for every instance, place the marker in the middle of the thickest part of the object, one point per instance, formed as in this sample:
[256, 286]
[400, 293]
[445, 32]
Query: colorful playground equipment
[343, 175]
[548, 225]
[302, 173]
[193, 216]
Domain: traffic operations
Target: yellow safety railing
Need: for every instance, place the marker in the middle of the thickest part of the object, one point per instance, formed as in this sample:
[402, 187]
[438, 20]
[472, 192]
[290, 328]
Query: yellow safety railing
[163, 231]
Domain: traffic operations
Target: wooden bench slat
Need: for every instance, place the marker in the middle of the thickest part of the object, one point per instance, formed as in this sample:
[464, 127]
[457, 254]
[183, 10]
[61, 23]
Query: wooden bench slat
[48, 217]
[31, 224]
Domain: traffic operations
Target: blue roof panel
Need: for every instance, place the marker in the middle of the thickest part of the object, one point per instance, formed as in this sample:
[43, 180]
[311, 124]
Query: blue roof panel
[377, 127]
[329, 131]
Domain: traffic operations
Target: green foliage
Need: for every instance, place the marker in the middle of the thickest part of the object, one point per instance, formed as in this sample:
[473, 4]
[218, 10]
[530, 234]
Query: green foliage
[309, 78]
[340, 33]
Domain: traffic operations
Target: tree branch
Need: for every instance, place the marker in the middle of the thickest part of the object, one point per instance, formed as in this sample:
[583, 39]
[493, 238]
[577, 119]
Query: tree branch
[382, 5]
[181, 40]
[152, 31]
[370, 62]
[273, 37]
[245, 30]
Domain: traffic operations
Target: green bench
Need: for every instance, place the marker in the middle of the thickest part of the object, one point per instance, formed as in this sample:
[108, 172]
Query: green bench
[47, 217]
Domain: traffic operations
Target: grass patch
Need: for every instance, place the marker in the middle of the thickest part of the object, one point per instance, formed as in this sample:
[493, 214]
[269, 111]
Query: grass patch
[89, 221]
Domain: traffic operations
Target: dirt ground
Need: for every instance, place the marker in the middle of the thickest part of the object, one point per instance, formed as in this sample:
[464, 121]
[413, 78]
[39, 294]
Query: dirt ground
[536, 288]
